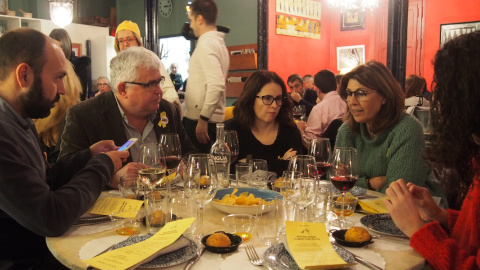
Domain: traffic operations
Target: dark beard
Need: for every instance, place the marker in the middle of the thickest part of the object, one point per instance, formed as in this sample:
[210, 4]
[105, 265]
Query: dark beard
[34, 103]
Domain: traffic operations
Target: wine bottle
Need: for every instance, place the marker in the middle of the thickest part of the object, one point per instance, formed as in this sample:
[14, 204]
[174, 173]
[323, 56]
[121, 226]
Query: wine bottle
[222, 156]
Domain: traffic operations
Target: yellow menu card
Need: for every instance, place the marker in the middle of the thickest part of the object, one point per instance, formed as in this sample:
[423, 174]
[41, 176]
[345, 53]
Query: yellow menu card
[309, 246]
[108, 205]
[374, 206]
[131, 256]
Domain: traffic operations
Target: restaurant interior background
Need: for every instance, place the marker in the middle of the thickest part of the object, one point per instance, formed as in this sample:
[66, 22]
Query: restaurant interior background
[288, 54]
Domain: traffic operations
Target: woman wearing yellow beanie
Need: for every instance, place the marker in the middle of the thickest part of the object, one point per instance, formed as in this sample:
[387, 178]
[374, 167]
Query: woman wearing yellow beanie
[128, 35]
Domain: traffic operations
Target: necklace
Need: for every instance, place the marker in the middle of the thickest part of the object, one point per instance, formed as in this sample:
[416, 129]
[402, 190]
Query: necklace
[371, 133]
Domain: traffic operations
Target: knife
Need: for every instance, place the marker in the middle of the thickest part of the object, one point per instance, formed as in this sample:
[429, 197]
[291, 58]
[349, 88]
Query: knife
[194, 259]
[362, 261]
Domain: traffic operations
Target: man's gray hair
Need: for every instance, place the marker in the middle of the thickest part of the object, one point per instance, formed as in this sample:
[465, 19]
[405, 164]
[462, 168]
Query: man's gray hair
[124, 67]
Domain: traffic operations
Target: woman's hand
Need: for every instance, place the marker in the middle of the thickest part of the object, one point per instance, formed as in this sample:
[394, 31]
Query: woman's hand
[117, 158]
[290, 153]
[378, 182]
[429, 210]
[402, 207]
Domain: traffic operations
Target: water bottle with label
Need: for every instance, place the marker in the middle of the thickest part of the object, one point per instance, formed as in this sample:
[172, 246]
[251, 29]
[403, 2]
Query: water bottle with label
[222, 155]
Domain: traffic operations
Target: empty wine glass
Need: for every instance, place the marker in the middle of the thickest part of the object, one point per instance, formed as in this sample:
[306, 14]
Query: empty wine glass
[201, 184]
[172, 149]
[231, 139]
[152, 155]
[320, 149]
[304, 187]
[344, 175]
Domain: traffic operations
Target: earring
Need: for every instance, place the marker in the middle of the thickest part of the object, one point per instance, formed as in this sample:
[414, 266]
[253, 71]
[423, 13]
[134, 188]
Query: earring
[383, 102]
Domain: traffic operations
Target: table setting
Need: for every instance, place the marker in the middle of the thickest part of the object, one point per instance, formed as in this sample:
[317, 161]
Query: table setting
[258, 225]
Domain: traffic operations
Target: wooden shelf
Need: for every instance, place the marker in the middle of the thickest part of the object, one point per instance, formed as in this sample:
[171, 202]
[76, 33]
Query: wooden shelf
[243, 61]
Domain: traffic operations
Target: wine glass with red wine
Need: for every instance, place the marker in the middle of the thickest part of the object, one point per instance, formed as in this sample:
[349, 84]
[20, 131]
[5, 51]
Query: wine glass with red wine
[299, 112]
[172, 150]
[320, 149]
[344, 175]
[231, 139]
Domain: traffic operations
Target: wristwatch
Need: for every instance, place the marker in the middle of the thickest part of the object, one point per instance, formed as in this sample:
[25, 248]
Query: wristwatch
[367, 182]
[204, 118]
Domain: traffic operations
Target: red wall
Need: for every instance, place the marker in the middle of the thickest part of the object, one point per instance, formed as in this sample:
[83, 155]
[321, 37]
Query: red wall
[440, 12]
[288, 55]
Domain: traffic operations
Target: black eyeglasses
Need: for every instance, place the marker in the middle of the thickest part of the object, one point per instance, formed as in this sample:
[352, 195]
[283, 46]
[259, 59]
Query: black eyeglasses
[150, 85]
[268, 100]
[360, 95]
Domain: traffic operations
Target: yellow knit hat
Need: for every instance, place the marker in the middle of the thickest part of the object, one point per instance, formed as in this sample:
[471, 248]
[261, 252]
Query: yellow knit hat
[128, 25]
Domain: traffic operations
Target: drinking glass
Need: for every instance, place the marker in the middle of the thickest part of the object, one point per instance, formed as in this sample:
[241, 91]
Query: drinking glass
[231, 139]
[344, 175]
[259, 173]
[152, 155]
[201, 184]
[173, 150]
[304, 187]
[299, 112]
[320, 149]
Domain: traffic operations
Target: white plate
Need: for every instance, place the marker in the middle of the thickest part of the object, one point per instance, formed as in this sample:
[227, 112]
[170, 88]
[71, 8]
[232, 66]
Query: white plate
[265, 194]
[278, 258]
[166, 260]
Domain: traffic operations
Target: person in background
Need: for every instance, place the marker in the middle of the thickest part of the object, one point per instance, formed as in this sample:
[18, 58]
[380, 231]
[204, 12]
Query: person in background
[300, 95]
[448, 239]
[389, 141]
[133, 109]
[37, 200]
[48, 128]
[330, 108]
[128, 35]
[262, 119]
[415, 86]
[80, 63]
[205, 96]
[175, 76]
[103, 85]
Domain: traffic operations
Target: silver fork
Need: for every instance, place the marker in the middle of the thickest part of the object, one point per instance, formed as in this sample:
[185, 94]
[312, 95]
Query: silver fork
[253, 256]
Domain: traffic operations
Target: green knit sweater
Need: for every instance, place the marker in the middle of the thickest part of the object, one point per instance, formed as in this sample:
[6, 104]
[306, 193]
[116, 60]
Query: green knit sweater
[395, 153]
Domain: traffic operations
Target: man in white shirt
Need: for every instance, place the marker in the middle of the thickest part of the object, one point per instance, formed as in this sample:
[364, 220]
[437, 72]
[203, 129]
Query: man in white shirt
[205, 95]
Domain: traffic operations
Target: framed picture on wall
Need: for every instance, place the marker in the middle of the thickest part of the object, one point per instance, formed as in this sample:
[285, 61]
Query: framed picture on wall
[352, 19]
[77, 48]
[3, 3]
[453, 30]
[349, 57]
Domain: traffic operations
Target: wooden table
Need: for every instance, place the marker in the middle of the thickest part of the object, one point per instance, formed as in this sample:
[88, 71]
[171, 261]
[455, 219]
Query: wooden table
[66, 249]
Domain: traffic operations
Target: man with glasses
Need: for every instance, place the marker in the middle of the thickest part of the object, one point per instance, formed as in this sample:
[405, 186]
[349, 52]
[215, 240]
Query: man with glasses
[302, 92]
[205, 95]
[133, 109]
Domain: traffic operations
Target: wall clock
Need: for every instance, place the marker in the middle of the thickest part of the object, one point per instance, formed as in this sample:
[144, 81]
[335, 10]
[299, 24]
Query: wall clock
[165, 8]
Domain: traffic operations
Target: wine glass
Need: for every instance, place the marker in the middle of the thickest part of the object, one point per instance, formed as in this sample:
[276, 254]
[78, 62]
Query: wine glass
[304, 187]
[320, 149]
[201, 184]
[231, 139]
[344, 175]
[152, 155]
[299, 112]
[172, 149]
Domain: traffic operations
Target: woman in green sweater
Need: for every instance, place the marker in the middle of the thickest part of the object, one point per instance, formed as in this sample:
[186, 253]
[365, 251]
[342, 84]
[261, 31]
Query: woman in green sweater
[389, 141]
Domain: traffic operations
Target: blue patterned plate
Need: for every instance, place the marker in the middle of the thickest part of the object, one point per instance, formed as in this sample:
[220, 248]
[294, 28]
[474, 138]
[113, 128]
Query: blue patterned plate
[166, 260]
[381, 223]
[278, 258]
